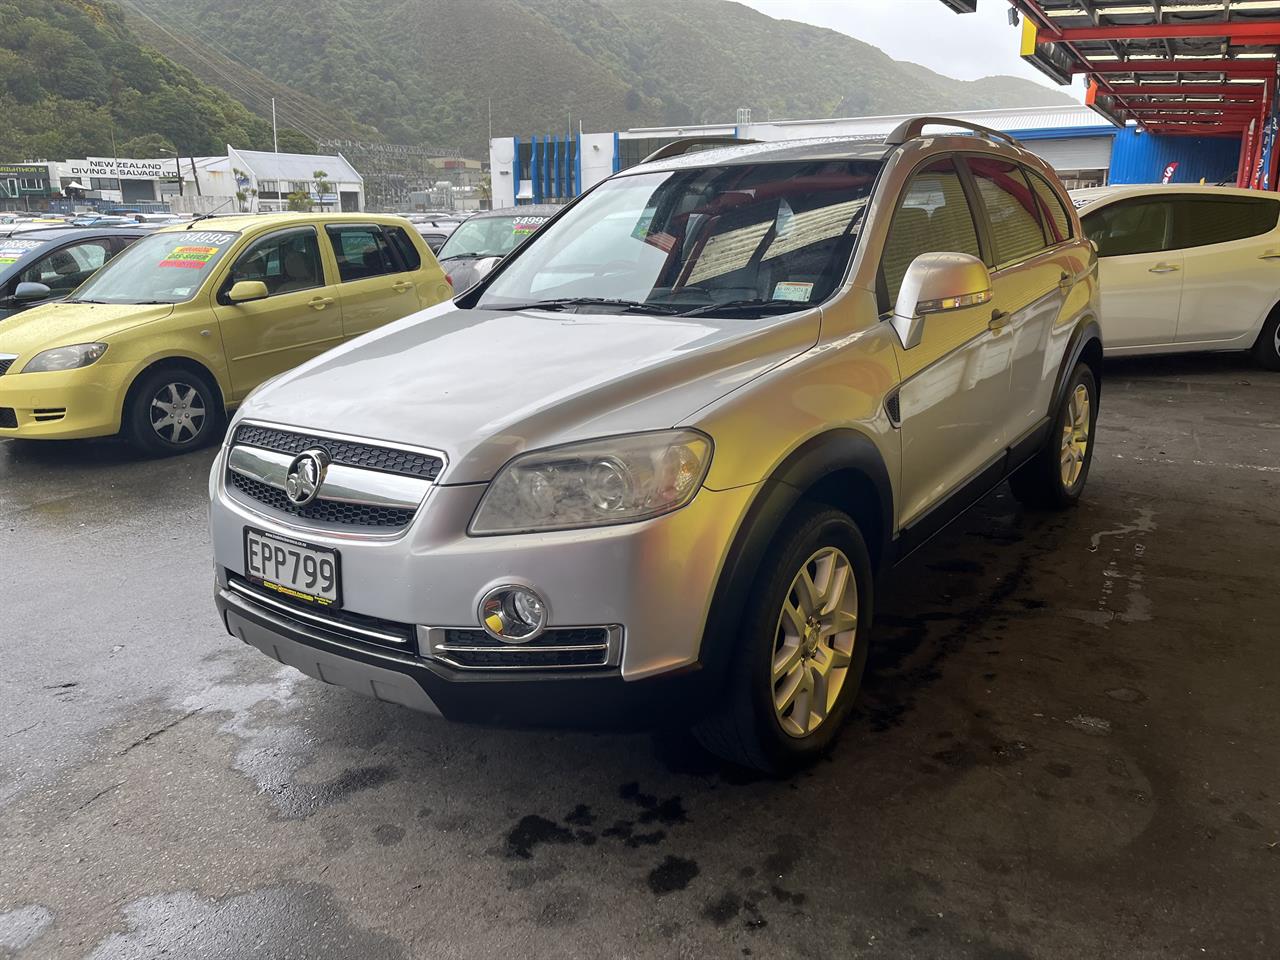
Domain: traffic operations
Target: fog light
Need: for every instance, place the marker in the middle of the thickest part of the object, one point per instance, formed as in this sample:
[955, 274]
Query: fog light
[513, 614]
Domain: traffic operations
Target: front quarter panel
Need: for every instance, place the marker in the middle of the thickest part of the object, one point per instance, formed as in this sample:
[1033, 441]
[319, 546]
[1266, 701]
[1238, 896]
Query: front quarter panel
[841, 383]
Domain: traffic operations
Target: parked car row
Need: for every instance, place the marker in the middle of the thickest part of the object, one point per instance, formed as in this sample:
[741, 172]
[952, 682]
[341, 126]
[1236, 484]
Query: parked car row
[654, 455]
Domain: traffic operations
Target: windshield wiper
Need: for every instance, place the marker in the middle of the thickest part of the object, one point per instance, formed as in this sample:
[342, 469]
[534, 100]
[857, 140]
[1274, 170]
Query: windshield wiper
[737, 306]
[70, 300]
[477, 255]
[627, 306]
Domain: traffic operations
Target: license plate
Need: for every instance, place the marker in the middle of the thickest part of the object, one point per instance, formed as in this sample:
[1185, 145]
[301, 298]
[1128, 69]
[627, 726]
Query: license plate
[292, 568]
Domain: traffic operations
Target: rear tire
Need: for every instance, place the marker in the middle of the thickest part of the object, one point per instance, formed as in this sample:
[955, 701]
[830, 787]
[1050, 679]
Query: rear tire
[799, 660]
[172, 410]
[1054, 478]
[1266, 351]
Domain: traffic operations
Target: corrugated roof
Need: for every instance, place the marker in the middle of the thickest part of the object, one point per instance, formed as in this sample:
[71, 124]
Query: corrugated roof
[296, 166]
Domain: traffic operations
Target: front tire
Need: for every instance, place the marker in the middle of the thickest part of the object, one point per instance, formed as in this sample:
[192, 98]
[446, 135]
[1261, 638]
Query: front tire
[1054, 478]
[1266, 351]
[803, 649]
[172, 410]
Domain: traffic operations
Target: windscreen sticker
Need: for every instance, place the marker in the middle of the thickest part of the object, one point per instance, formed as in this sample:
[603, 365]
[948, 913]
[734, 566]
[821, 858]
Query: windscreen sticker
[523, 226]
[190, 256]
[791, 290]
[13, 250]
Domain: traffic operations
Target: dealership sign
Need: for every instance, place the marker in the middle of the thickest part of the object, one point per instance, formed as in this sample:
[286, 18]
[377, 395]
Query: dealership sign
[121, 168]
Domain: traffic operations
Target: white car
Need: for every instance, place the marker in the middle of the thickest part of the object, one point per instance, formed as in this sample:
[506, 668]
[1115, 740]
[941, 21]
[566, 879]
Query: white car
[1186, 268]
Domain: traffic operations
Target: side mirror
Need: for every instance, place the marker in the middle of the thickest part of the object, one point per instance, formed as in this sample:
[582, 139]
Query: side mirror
[484, 266]
[937, 283]
[242, 291]
[31, 292]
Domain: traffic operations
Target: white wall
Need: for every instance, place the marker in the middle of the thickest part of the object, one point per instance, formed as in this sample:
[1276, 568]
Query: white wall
[597, 158]
[502, 153]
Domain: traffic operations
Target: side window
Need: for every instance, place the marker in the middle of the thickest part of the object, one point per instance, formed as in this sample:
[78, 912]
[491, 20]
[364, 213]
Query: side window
[408, 253]
[1199, 221]
[65, 269]
[1054, 215]
[933, 217]
[1129, 227]
[285, 262]
[362, 252]
[1011, 208]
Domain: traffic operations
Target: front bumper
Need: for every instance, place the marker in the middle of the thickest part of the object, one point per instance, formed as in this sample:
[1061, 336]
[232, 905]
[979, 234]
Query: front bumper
[654, 580]
[590, 700]
[67, 405]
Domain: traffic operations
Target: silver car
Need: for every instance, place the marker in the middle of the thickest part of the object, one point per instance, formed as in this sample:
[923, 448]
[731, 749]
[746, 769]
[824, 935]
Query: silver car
[653, 464]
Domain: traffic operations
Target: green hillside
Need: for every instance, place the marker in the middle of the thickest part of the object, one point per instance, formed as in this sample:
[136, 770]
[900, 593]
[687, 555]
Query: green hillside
[72, 78]
[422, 71]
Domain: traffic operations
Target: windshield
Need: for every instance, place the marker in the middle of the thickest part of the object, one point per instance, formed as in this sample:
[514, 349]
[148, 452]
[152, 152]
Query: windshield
[161, 268]
[489, 236]
[763, 234]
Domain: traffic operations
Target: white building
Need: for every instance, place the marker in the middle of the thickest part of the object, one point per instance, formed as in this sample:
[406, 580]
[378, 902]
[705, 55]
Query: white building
[276, 175]
[211, 184]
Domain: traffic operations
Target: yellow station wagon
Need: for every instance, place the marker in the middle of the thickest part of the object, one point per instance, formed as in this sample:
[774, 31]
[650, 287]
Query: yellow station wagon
[171, 334]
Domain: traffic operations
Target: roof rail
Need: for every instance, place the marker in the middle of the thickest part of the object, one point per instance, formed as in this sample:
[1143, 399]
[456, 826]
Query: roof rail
[910, 129]
[678, 148]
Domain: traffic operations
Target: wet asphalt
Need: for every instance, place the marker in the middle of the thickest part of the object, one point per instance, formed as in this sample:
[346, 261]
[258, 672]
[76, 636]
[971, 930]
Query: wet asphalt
[1065, 746]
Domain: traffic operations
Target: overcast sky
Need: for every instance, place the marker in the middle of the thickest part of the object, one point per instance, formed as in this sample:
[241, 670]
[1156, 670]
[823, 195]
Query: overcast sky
[965, 46]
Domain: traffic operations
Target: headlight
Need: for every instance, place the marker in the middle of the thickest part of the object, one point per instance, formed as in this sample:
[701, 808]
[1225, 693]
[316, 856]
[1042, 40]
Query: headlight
[65, 358]
[599, 482]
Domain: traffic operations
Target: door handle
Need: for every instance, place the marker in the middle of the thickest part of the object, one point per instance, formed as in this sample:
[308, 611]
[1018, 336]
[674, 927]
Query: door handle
[1164, 268]
[1270, 255]
[401, 286]
[998, 320]
[319, 303]
[1066, 282]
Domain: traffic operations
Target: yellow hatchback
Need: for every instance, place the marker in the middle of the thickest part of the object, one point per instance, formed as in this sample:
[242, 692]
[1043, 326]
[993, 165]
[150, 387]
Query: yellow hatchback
[175, 331]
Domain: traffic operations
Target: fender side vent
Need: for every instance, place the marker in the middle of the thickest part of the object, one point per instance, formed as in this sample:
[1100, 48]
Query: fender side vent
[893, 408]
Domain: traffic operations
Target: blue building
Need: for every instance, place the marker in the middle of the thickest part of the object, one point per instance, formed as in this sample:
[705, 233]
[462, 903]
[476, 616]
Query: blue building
[1085, 149]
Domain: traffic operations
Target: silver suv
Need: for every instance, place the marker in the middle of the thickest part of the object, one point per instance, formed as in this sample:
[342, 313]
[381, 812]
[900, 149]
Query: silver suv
[655, 461]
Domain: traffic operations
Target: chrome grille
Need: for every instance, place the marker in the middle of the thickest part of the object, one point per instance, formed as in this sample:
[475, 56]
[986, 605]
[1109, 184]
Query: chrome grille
[348, 625]
[368, 456]
[365, 489]
[555, 649]
[322, 511]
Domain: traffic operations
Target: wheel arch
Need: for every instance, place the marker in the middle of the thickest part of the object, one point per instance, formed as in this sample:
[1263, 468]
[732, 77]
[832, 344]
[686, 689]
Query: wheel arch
[1085, 347]
[842, 468]
[177, 361]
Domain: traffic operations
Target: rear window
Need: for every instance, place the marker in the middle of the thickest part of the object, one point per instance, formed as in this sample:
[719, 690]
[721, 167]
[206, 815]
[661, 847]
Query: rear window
[1056, 219]
[1200, 221]
[1011, 209]
[408, 253]
[362, 251]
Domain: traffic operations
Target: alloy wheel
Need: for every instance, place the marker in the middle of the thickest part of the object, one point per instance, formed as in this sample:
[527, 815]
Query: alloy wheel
[1075, 437]
[814, 640]
[177, 413]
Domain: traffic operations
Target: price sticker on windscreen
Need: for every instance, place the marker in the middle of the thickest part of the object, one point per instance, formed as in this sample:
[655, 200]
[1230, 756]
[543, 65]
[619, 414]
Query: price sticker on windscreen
[523, 226]
[790, 290]
[11, 251]
[197, 251]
